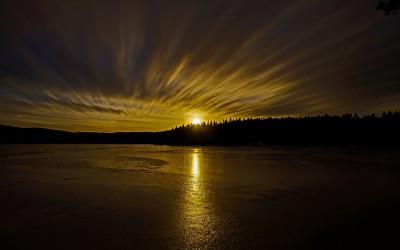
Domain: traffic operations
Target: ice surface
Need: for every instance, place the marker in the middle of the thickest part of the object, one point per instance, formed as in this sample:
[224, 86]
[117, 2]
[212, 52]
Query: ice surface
[162, 197]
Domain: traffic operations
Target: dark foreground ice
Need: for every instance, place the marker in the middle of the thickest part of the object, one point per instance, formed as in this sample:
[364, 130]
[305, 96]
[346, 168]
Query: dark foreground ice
[162, 197]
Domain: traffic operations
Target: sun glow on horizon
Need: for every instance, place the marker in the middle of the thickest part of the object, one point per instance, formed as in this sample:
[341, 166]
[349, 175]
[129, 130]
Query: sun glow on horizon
[196, 121]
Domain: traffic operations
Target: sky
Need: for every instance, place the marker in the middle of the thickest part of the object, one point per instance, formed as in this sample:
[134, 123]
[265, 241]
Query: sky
[93, 65]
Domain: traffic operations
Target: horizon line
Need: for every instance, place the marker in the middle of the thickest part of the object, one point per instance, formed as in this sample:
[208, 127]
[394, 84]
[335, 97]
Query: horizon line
[207, 122]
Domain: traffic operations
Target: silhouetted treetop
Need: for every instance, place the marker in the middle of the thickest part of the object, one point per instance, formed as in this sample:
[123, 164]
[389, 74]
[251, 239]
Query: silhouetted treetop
[389, 7]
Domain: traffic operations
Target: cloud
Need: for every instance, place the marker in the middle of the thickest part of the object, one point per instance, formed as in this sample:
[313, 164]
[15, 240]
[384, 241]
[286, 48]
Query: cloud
[151, 65]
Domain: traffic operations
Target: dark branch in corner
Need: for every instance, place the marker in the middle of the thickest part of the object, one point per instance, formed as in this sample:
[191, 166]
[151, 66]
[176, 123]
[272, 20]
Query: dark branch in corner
[389, 7]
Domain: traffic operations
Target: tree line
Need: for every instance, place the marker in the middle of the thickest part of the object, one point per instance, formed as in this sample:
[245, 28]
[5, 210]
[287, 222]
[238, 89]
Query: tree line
[346, 129]
[309, 130]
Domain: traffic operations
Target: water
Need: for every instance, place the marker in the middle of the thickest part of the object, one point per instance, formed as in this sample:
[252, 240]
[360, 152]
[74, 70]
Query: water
[162, 197]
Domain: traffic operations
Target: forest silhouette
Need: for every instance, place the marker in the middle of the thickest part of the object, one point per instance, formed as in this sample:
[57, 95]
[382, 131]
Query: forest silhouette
[347, 129]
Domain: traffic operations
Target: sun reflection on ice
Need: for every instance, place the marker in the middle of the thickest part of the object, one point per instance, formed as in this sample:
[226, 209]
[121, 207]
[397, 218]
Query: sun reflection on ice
[198, 217]
[195, 164]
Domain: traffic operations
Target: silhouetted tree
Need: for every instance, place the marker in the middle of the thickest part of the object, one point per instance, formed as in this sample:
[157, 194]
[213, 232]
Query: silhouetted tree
[389, 7]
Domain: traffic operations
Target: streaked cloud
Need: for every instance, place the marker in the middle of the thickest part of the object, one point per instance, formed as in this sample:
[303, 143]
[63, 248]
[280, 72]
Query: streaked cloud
[152, 65]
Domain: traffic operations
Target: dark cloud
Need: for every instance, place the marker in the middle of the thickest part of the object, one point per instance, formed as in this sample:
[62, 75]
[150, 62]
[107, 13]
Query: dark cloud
[150, 65]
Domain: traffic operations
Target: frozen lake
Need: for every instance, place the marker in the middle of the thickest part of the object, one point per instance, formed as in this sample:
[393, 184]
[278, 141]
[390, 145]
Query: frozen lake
[164, 197]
